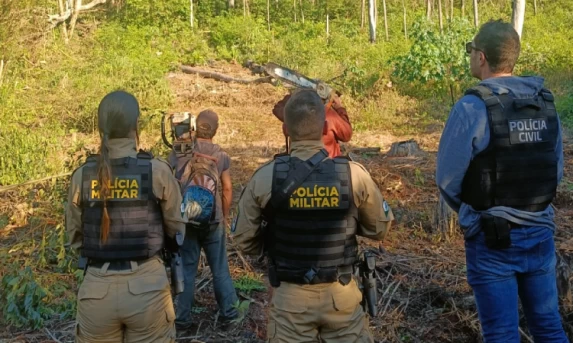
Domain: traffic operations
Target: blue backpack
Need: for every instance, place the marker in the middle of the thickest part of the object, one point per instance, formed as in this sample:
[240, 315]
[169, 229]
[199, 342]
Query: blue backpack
[199, 181]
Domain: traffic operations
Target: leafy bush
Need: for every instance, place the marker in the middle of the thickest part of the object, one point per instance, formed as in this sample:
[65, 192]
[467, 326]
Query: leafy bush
[436, 61]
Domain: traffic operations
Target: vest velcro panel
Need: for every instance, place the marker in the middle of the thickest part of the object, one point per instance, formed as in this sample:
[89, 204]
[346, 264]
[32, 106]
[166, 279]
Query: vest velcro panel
[136, 223]
[519, 167]
[316, 227]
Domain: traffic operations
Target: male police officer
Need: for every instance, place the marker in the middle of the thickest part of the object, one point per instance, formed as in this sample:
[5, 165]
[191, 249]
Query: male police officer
[317, 207]
[499, 162]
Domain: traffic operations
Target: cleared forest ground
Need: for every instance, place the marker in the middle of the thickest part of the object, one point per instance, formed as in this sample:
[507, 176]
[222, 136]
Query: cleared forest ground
[423, 293]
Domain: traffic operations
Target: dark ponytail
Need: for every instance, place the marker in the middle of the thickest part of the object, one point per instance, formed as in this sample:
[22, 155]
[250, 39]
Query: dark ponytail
[118, 113]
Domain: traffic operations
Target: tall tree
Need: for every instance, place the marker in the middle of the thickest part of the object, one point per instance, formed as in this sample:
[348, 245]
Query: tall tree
[269, 15]
[440, 16]
[429, 9]
[534, 7]
[405, 22]
[363, 13]
[372, 19]
[518, 15]
[385, 18]
[463, 8]
[476, 19]
[192, 13]
[231, 4]
[301, 11]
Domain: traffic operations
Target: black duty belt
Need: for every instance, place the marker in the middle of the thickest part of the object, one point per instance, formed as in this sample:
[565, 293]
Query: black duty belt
[118, 264]
[313, 276]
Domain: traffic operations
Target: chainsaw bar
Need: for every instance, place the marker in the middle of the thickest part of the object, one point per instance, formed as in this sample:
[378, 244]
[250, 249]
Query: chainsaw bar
[297, 79]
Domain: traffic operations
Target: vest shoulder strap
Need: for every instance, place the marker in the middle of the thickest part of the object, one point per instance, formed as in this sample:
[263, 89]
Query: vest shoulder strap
[145, 155]
[487, 95]
[294, 179]
[93, 158]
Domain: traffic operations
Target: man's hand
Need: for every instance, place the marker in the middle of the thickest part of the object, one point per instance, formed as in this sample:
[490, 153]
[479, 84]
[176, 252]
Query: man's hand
[336, 102]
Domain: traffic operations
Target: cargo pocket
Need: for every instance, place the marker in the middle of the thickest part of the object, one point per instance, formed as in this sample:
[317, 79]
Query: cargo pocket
[93, 290]
[347, 298]
[146, 284]
[290, 303]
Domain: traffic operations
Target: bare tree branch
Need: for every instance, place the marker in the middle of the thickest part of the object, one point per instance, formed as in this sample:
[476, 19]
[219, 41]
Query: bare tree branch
[55, 19]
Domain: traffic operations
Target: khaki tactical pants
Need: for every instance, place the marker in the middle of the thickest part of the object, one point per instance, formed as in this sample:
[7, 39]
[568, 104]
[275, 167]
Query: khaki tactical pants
[326, 313]
[126, 306]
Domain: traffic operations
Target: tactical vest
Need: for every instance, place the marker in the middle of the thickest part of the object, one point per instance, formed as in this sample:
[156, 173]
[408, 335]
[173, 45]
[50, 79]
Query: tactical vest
[136, 223]
[315, 230]
[519, 167]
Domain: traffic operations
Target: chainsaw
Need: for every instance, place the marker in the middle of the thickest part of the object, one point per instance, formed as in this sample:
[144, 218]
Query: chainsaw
[182, 128]
[296, 79]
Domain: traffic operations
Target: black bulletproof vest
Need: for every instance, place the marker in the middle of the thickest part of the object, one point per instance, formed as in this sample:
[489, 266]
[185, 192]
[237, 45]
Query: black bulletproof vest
[316, 227]
[519, 167]
[136, 224]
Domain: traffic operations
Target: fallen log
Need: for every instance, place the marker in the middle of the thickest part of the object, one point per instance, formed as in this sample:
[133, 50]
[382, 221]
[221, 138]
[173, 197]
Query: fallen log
[222, 77]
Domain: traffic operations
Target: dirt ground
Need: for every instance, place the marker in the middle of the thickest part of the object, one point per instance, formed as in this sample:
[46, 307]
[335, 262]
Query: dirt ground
[423, 294]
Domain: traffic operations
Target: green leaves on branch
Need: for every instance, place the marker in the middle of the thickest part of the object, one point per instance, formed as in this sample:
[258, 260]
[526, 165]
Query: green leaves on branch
[436, 61]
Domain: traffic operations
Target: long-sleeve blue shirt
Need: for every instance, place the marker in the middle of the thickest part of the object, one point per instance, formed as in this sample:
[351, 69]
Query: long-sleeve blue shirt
[467, 134]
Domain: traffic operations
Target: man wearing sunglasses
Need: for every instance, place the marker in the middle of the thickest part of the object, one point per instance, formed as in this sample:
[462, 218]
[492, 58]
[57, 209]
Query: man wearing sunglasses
[500, 160]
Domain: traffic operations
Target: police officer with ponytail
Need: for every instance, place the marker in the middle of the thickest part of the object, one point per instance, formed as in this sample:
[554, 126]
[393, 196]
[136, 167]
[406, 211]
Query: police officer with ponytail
[123, 208]
[305, 210]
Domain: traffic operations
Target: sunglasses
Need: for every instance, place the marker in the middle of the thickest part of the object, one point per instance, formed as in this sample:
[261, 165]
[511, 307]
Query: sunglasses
[470, 47]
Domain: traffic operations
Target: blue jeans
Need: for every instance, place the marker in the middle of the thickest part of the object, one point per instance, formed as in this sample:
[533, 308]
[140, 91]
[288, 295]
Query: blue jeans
[525, 270]
[213, 242]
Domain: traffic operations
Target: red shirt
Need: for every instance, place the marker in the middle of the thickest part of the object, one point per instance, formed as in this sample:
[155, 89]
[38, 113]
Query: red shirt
[338, 126]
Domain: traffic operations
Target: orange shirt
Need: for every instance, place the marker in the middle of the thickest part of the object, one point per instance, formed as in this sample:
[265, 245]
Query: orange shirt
[338, 126]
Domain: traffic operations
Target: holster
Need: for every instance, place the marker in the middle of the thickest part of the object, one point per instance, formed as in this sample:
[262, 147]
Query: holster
[273, 277]
[497, 231]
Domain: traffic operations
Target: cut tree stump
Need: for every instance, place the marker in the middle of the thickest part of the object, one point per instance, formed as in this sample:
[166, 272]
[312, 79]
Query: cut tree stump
[405, 149]
[445, 220]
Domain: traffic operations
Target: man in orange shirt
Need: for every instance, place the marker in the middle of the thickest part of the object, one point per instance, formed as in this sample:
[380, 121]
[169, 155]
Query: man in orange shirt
[337, 127]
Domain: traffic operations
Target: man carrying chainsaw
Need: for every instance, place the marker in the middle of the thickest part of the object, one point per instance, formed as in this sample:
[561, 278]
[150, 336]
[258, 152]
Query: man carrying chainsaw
[204, 173]
[337, 128]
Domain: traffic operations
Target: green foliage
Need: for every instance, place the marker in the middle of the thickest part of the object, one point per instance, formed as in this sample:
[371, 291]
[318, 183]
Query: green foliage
[248, 283]
[243, 308]
[25, 302]
[436, 60]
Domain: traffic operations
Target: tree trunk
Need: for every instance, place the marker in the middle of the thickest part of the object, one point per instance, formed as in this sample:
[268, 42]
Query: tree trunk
[294, 9]
[518, 15]
[231, 3]
[327, 26]
[76, 12]
[372, 20]
[405, 22]
[445, 220]
[429, 9]
[64, 28]
[446, 9]
[534, 7]
[301, 11]
[463, 8]
[440, 16]
[451, 10]
[192, 12]
[269, 15]
[385, 18]
[363, 13]
[476, 19]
